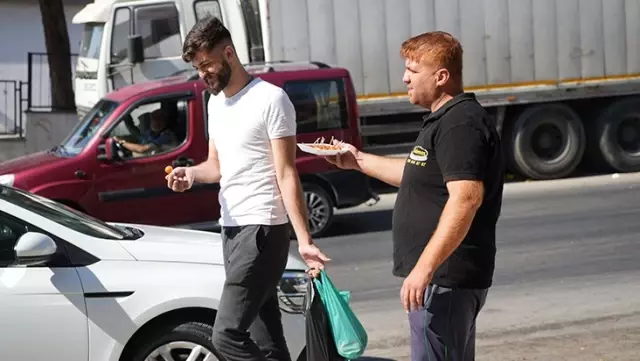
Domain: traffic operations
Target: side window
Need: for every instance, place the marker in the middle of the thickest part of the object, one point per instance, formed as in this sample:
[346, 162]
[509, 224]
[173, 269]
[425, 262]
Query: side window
[152, 128]
[320, 104]
[11, 229]
[159, 26]
[10, 232]
[205, 96]
[205, 8]
[120, 35]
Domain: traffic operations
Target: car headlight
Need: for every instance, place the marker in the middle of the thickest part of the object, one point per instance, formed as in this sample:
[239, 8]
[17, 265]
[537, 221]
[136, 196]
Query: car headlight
[7, 179]
[292, 291]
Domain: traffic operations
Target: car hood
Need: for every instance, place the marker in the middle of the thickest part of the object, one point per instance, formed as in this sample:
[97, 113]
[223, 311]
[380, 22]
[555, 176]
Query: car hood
[165, 244]
[27, 162]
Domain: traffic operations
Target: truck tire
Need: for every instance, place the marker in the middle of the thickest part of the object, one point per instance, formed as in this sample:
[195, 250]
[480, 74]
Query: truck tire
[618, 135]
[546, 142]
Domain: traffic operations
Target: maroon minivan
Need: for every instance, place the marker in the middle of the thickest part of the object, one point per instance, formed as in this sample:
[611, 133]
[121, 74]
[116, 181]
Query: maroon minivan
[92, 172]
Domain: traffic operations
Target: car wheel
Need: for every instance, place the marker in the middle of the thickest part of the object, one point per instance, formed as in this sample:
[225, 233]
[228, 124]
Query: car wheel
[186, 341]
[319, 208]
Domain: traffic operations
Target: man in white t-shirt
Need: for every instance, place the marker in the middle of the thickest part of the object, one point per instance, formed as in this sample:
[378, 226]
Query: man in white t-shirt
[252, 150]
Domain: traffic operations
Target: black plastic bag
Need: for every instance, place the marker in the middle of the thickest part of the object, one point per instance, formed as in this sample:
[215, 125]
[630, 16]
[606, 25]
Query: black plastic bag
[320, 343]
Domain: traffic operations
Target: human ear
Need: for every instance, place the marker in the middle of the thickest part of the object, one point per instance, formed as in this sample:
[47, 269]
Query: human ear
[442, 77]
[228, 53]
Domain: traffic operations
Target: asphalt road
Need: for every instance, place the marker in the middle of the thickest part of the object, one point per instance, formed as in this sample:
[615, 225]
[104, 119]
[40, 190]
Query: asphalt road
[567, 281]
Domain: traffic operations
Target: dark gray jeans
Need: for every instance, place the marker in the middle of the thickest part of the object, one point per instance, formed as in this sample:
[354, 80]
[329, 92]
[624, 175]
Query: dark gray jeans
[445, 328]
[248, 325]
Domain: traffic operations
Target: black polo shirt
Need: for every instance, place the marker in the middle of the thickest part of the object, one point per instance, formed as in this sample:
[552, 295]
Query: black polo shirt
[458, 141]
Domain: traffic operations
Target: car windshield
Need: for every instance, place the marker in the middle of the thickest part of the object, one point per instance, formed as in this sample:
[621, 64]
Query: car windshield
[62, 214]
[91, 39]
[83, 132]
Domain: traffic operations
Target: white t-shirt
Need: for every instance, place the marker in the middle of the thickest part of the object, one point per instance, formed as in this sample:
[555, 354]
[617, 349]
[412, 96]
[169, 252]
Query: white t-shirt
[242, 127]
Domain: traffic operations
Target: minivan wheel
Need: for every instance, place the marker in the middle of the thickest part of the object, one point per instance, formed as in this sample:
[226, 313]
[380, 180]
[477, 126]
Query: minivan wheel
[319, 208]
[186, 341]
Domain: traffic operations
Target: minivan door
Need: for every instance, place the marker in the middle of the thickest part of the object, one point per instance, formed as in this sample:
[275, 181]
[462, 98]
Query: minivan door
[133, 187]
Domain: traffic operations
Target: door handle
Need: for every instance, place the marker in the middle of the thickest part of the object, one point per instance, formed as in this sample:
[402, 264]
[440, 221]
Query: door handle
[182, 162]
[80, 174]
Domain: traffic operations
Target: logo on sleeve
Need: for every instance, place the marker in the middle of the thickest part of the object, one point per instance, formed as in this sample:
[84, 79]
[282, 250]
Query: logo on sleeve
[418, 156]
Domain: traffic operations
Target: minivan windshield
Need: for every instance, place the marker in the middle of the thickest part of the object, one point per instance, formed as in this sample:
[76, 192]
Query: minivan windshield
[91, 39]
[83, 132]
[61, 214]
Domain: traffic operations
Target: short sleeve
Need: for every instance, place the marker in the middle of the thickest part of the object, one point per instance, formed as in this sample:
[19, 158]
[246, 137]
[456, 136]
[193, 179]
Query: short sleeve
[462, 153]
[163, 139]
[210, 118]
[280, 116]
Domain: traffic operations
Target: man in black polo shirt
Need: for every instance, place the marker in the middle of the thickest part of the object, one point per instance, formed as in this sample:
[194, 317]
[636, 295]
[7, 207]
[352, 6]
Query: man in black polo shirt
[448, 202]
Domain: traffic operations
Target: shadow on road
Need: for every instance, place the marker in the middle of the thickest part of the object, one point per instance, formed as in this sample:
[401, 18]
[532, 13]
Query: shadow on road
[362, 222]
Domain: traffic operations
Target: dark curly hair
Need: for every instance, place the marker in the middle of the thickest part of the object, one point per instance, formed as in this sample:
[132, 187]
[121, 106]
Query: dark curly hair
[204, 36]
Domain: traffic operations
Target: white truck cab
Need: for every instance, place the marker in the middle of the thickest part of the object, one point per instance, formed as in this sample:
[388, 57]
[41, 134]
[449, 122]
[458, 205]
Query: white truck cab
[127, 42]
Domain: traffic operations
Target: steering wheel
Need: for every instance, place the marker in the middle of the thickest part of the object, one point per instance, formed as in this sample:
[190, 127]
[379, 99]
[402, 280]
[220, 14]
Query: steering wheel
[121, 150]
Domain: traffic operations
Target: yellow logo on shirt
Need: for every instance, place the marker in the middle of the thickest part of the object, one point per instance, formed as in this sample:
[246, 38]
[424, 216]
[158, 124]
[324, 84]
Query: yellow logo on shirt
[418, 156]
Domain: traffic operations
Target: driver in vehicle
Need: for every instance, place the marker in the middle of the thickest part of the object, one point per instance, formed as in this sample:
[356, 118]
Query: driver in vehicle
[158, 136]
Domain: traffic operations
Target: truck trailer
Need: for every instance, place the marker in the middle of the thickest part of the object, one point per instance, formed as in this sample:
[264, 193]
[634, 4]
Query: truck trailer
[561, 77]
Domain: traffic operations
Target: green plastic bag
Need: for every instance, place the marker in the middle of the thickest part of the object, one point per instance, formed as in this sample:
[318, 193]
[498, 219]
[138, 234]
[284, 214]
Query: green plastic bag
[348, 334]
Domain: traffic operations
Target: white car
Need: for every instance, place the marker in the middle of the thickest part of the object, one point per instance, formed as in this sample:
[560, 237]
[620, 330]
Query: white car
[74, 288]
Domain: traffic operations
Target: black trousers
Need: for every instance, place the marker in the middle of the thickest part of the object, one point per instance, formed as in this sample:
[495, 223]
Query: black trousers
[445, 328]
[248, 324]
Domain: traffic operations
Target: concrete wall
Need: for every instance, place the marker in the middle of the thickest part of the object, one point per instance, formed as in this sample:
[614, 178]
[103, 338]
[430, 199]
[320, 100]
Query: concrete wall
[43, 131]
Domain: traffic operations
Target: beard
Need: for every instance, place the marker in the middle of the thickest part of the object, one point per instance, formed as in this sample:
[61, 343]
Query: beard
[217, 82]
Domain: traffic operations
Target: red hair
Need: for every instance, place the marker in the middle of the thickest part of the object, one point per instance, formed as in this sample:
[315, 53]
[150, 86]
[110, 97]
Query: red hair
[436, 48]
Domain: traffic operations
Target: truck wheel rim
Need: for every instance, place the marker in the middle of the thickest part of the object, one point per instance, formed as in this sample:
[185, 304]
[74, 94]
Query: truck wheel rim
[181, 351]
[628, 134]
[318, 210]
[548, 141]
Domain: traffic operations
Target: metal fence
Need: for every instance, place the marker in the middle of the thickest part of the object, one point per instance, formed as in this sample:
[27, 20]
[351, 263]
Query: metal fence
[39, 97]
[17, 96]
[11, 106]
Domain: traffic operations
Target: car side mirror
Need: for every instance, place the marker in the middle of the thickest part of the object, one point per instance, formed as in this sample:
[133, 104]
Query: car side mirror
[107, 151]
[135, 49]
[34, 248]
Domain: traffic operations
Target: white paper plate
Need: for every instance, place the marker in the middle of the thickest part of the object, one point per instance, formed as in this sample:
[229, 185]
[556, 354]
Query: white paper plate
[307, 148]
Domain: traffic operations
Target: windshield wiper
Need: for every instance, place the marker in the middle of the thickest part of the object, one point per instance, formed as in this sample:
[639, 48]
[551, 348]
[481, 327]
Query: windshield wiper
[58, 150]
